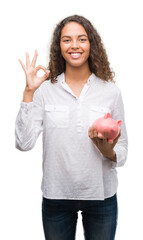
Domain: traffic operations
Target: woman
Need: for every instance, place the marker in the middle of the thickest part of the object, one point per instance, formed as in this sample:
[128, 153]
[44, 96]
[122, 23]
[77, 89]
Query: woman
[79, 169]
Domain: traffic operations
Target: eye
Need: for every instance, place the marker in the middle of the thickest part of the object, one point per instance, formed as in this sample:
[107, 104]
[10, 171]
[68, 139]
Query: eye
[83, 39]
[66, 40]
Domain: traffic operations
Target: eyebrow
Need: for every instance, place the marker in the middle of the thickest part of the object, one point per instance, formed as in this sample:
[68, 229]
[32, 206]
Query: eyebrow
[78, 36]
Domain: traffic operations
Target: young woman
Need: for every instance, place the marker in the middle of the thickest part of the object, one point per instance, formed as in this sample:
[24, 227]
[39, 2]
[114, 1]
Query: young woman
[79, 169]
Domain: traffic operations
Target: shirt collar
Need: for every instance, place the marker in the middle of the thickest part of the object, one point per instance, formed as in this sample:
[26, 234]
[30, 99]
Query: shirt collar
[91, 79]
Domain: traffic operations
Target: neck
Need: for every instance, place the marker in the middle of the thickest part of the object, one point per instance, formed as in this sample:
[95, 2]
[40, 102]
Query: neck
[77, 75]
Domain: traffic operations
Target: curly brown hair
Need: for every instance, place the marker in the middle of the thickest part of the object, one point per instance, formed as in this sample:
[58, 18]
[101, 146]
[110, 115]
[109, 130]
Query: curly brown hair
[98, 60]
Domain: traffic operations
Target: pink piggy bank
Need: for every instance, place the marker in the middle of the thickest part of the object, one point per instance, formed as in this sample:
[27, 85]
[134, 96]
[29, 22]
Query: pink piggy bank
[109, 125]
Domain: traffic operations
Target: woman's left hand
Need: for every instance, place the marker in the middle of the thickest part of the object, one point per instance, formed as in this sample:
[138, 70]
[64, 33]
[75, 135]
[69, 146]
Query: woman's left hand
[106, 148]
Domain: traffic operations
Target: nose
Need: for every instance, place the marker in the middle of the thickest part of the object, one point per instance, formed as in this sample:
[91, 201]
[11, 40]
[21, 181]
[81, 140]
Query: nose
[75, 44]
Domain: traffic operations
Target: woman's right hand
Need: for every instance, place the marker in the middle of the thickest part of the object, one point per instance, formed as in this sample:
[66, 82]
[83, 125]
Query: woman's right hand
[32, 80]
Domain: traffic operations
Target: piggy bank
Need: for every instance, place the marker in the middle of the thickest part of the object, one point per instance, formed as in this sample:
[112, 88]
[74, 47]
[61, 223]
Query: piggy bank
[109, 125]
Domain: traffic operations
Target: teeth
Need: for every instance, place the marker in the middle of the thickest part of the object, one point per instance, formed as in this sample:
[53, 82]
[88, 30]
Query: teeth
[75, 54]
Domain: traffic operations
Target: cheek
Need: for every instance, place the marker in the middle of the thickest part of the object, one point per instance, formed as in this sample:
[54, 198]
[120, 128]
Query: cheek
[87, 49]
[63, 48]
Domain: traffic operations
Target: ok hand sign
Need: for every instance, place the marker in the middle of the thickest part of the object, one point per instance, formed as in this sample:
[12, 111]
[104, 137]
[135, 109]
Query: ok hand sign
[32, 80]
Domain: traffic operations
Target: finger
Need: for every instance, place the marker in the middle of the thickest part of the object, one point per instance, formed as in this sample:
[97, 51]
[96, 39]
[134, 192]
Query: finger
[33, 63]
[95, 132]
[22, 64]
[45, 75]
[40, 67]
[27, 60]
[104, 134]
[90, 129]
[91, 133]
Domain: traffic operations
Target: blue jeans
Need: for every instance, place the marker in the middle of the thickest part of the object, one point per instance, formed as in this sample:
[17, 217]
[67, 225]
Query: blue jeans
[99, 218]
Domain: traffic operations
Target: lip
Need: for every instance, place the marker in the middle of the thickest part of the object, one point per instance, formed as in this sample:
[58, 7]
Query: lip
[75, 52]
[75, 55]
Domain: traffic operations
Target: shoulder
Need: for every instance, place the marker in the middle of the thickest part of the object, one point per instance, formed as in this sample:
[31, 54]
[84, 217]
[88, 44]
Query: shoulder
[110, 87]
[45, 84]
[48, 88]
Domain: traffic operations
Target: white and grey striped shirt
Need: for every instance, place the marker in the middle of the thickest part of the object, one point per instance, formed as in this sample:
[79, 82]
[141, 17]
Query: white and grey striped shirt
[73, 167]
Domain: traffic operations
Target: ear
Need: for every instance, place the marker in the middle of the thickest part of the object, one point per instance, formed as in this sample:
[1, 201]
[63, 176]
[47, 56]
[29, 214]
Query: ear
[107, 115]
[119, 122]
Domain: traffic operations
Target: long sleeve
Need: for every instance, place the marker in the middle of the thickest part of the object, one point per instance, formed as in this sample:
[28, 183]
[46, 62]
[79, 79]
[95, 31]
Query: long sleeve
[72, 167]
[121, 148]
[29, 123]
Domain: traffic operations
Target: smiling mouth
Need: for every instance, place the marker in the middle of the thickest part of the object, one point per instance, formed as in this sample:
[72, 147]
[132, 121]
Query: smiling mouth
[75, 55]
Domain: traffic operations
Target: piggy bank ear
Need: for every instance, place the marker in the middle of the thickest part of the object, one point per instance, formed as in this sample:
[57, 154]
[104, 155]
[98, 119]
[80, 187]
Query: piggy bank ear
[107, 115]
[119, 122]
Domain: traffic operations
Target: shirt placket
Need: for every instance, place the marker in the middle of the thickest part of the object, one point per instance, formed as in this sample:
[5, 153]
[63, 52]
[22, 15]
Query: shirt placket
[79, 116]
[79, 100]
[80, 108]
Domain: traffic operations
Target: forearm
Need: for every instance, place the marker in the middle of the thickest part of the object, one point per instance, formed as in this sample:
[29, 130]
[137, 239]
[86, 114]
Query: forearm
[23, 127]
[29, 121]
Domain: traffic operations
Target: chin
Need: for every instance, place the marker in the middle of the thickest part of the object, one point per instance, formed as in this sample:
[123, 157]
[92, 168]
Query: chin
[77, 64]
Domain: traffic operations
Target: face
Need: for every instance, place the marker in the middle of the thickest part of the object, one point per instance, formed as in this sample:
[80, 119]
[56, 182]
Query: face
[75, 45]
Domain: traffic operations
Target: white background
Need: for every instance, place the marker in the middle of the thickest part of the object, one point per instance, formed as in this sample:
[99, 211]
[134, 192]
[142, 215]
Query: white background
[26, 26]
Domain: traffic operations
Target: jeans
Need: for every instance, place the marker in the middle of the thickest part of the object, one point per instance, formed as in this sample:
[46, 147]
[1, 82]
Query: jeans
[99, 218]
